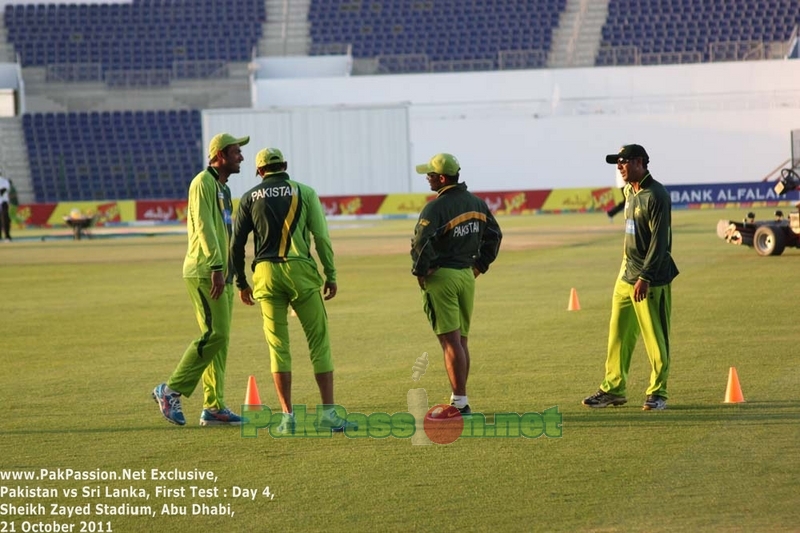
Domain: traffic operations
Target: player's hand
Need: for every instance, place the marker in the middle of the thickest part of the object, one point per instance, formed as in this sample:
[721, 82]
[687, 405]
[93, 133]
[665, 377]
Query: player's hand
[476, 272]
[422, 279]
[329, 290]
[217, 284]
[640, 290]
[246, 296]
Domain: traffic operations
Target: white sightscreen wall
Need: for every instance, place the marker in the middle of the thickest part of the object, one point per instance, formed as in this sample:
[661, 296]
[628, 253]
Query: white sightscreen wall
[8, 106]
[337, 151]
[301, 66]
[563, 152]
[551, 128]
[10, 87]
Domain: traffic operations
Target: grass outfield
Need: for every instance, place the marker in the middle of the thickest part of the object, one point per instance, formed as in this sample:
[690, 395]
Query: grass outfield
[89, 328]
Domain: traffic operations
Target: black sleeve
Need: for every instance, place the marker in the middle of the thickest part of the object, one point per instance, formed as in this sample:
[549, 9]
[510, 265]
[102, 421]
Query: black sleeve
[490, 243]
[422, 245]
[242, 226]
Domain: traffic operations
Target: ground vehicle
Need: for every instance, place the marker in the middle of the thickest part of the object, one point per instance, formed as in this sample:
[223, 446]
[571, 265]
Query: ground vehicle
[769, 237]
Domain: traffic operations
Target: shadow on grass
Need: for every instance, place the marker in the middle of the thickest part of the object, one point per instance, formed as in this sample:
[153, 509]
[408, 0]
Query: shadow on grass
[757, 413]
[746, 406]
[126, 429]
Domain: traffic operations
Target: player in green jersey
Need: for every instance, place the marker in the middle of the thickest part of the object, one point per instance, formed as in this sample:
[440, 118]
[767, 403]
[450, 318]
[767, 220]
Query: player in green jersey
[283, 215]
[642, 298]
[455, 240]
[209, 280]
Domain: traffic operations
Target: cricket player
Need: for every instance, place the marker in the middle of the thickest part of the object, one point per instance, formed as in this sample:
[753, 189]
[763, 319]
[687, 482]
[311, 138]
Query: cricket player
[209, 280]
[642, 298]
[283, 215]
[455, 240]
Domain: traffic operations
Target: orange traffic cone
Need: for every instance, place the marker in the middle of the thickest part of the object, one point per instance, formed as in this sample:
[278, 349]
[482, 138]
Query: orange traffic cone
[574, 304]
[251, 398]
[733, 394]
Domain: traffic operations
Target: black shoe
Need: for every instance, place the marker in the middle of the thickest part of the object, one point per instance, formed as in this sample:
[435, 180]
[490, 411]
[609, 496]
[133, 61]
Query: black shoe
[603, 399]
[463, 410]
[654, 403]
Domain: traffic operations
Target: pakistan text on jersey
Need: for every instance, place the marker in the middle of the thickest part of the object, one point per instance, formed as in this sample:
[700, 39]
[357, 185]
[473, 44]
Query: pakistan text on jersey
[461, 230]
[272, 192]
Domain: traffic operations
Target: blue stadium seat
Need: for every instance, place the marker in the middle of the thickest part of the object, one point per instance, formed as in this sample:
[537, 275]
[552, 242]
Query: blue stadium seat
[67, 151]
[135, 34]
[689, 26]
[404, 27]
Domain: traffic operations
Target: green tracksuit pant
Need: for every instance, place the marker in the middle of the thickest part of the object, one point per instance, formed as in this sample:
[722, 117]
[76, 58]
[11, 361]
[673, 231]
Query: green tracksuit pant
[206, 356]
[651, 316]
[295, 283]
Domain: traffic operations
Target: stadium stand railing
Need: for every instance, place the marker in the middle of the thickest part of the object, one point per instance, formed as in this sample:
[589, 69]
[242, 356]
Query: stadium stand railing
[521, 59]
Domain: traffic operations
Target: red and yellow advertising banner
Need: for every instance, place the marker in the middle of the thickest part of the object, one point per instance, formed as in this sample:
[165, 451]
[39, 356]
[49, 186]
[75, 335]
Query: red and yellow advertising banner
[404, 204]
[33, 215]
[44, 215]
[501, 203]
[514, 202]
[352, 205]
[581, 199]
[161, 210]
[106, 212]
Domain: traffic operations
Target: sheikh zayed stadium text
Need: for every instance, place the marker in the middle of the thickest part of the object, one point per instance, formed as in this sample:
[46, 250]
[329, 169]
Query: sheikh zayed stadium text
[137, 493]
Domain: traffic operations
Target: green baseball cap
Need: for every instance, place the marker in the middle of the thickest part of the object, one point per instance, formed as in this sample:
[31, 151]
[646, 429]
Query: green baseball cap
[221, 141]
[446, 164]
[268, 156]
[629, 151]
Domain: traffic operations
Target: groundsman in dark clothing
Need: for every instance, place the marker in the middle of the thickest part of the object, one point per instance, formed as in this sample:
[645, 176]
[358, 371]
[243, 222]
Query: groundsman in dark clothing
[455, 240]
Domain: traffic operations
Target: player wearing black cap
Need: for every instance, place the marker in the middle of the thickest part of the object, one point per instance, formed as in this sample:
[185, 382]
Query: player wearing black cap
[642, 298]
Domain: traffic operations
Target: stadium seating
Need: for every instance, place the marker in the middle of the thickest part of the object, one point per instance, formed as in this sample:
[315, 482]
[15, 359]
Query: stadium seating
[445, 30]
[669, 31]
[113, 155]
[144, 34]
[153, 154]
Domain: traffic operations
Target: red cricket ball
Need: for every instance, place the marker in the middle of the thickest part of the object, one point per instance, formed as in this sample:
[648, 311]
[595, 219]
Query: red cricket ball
[443, 424]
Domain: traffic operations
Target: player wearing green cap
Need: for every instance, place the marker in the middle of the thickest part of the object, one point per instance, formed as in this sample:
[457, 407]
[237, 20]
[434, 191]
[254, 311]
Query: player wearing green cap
[283, 214]
[455, 240]
[642, 298]
[209, 280]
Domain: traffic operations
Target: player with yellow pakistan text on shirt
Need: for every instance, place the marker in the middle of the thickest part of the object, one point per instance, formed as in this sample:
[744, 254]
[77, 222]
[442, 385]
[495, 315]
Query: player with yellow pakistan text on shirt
[455, 240]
